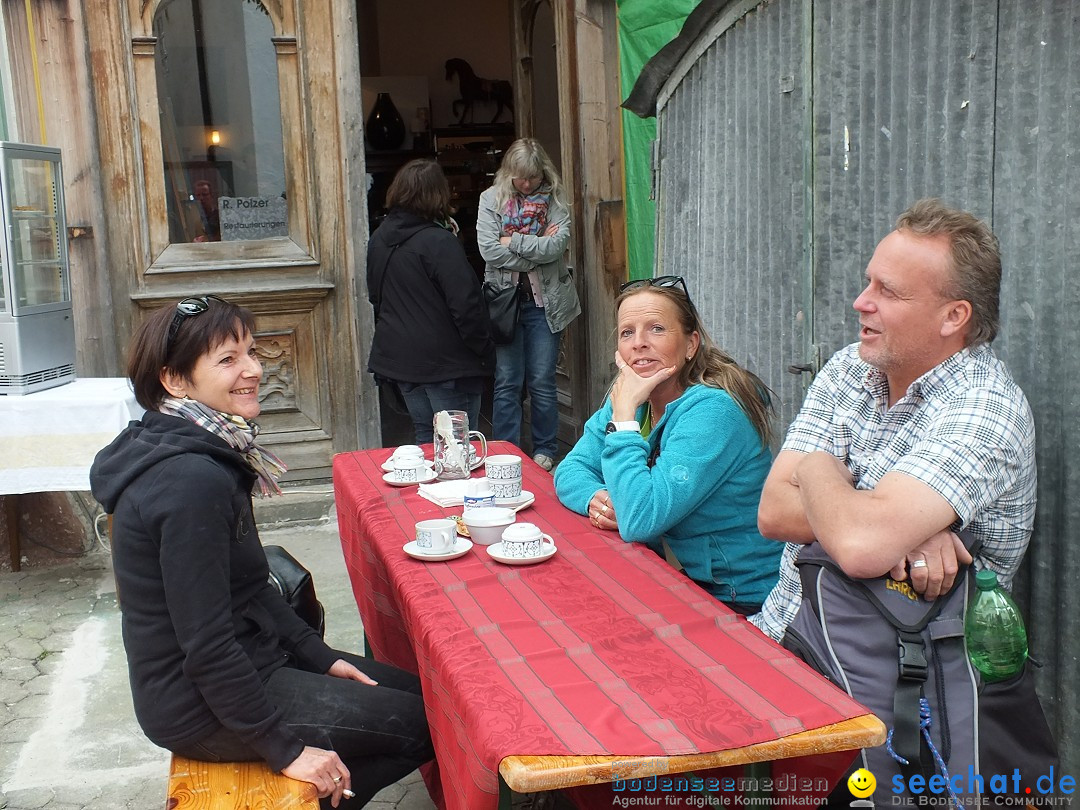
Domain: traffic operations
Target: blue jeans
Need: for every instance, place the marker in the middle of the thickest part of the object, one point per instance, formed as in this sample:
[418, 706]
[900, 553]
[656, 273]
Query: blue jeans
[380, 732]
[424, 399]
[529, 360]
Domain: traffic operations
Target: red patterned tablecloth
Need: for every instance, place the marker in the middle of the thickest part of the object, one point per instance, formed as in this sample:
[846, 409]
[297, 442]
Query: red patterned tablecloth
[603, 649]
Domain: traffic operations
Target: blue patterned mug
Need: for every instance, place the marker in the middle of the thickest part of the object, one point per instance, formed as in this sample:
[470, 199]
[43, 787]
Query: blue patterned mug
[522, 541]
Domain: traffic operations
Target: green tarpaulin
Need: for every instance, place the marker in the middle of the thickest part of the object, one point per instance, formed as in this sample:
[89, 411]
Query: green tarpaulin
[645, 26]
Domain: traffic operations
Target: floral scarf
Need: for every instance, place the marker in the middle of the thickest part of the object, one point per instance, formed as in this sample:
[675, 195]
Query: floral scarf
[235, 431]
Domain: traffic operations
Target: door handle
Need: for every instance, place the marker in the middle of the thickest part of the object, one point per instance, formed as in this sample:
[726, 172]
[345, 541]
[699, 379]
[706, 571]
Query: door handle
[802, 368]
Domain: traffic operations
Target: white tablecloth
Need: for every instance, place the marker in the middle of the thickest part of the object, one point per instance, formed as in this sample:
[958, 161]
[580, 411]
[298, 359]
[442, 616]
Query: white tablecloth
[48, 439]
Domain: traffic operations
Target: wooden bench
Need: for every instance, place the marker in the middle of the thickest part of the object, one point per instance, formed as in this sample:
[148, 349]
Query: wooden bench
[195, 785]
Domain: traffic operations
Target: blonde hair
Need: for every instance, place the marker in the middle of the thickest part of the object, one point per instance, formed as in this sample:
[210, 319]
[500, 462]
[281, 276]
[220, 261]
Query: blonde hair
[711, 365]
[526, 158]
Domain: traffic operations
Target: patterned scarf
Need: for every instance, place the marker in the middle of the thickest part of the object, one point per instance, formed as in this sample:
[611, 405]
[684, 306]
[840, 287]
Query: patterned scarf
[523, 214]
[238, 433]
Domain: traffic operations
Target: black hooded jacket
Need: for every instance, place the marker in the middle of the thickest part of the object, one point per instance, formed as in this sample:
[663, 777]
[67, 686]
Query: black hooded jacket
[431, 323]
[202, 626]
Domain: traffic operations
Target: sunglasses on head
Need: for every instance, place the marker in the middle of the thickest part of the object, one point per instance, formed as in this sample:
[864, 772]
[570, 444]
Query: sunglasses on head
[188, 308]
[659, 281]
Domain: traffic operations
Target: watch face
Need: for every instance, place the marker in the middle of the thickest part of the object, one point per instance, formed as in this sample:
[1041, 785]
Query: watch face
[610, 428]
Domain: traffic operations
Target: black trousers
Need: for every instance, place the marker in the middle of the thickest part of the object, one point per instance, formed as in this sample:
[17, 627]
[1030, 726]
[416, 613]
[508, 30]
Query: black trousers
[380, 732]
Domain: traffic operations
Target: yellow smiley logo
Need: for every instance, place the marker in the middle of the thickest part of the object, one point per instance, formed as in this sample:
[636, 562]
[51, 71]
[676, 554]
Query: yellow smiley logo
[861, 783]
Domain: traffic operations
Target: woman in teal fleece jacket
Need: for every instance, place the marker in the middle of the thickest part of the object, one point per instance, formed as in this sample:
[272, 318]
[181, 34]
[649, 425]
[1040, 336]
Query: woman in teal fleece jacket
[679, 451]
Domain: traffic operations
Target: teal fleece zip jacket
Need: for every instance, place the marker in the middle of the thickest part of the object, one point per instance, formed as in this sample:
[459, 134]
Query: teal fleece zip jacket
[701, 495]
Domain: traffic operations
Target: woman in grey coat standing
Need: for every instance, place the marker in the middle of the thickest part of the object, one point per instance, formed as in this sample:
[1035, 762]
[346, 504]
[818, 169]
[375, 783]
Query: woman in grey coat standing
[523, 229]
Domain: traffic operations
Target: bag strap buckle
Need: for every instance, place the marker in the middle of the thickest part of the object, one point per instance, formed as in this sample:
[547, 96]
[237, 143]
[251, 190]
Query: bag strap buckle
[912, 657]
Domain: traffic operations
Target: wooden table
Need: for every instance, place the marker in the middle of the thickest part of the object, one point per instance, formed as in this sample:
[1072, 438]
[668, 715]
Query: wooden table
[48, 439]
[602, 664]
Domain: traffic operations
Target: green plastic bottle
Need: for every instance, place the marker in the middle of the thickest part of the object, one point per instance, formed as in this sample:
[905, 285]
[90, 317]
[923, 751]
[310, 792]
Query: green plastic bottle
[994, 631]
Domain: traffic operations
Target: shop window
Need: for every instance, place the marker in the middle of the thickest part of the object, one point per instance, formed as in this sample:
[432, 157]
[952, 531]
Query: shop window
[222, 151]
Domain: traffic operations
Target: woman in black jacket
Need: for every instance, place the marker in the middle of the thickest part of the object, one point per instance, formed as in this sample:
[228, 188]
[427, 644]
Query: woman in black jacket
[221, 668]
[431, 325]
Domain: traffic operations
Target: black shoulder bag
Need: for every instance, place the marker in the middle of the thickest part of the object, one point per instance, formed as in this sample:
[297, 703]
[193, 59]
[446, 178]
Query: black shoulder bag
[294, 583]
[503, 311]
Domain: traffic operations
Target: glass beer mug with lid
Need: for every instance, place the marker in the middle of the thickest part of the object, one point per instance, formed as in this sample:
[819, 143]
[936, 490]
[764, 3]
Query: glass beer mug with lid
[455, 456]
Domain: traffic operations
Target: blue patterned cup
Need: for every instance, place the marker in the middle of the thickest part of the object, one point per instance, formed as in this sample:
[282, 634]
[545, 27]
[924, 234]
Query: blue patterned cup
[409, 469]
[523, 541]
[503, 468]
[436, 536]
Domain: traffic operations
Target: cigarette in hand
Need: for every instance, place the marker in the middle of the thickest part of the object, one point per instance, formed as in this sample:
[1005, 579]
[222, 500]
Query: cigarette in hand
[348, 794]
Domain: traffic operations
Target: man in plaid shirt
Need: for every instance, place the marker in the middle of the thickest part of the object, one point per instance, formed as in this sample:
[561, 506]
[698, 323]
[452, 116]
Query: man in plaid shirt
[914, 432]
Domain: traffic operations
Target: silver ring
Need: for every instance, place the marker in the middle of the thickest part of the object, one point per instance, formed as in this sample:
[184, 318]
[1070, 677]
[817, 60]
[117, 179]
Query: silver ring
[337, 779]
[603, 508]
[918, 564]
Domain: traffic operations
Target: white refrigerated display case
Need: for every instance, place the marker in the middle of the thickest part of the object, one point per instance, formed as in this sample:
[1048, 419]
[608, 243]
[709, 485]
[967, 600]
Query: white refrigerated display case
[37, 332]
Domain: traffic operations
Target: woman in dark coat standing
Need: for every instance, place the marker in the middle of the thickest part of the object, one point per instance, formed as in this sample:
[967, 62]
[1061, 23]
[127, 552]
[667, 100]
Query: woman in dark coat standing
[431, 325]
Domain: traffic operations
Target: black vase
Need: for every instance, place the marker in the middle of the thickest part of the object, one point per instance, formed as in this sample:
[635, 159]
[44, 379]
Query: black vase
[385, 127]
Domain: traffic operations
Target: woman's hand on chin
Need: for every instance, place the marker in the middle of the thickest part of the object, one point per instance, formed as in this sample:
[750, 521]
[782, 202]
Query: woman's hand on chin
[324, 769]
[343, 669]
[632, 390]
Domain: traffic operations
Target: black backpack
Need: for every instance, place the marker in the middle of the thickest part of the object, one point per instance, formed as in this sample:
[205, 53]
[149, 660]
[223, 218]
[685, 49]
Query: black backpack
[905, 659]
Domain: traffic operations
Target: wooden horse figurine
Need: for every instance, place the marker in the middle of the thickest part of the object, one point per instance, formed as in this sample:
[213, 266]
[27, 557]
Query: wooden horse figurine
[473, 89]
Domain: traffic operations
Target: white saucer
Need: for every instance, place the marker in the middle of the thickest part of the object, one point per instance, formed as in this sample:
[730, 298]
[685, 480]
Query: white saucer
[427, 478]
[495, 551]
[461, 546]
[526, 498]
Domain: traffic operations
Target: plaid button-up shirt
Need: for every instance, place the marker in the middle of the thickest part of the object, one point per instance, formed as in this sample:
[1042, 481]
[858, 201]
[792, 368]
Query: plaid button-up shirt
[964, 429]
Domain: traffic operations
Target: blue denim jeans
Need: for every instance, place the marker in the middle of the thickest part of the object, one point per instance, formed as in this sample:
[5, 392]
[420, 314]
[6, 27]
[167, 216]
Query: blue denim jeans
[530, 360]
[424, 399]
[380, 732]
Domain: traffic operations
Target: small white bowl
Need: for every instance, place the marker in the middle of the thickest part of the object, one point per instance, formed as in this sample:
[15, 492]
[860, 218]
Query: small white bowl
[486, 523]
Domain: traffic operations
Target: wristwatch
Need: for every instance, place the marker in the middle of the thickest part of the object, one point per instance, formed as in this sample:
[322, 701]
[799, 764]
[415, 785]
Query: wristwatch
[614, 426]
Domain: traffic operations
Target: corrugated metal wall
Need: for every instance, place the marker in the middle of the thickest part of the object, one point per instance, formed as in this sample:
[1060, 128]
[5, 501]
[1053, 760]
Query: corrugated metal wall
[734, 194]
[902, 110]
[773, 192]
[1036, 210]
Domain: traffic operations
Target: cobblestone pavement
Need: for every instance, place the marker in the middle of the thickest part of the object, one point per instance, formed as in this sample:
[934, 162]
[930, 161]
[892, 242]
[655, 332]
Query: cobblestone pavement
[68, 737]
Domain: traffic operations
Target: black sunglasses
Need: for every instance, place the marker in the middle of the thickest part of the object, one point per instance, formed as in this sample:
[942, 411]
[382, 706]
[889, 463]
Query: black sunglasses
[659, 281]
[188, 308]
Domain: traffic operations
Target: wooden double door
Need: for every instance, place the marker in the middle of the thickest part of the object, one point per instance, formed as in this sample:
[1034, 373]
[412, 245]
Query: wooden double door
[230, 151]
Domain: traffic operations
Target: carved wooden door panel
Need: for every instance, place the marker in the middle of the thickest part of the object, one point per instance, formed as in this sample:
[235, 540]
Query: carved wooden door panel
[237, 169]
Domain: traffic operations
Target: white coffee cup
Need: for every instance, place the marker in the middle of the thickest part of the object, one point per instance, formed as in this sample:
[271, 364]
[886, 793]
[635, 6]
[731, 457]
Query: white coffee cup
[503, 467]
[408, 451]
[409, 469]
[436, 536]
[522, 541]
[506, 489]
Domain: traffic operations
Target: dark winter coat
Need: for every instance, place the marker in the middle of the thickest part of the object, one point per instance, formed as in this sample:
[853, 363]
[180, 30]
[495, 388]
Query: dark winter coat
[202, 626]
[431, 323]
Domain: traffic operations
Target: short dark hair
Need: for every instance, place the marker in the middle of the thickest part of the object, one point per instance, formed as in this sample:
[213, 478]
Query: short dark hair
[151, 351]
[975, 274]
[420, 188]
